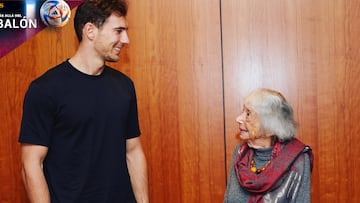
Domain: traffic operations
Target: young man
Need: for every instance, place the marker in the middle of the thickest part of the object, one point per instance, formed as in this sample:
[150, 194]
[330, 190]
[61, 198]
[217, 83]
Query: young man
[80, 132]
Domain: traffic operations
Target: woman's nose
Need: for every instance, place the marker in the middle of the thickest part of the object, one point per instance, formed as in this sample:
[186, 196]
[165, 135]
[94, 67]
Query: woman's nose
[240, 118]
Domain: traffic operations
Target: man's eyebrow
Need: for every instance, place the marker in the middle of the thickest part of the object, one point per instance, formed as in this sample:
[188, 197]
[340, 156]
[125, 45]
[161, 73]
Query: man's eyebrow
[121, 28]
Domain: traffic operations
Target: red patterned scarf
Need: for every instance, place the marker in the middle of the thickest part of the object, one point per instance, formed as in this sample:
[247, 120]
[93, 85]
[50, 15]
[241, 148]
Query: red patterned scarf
[281, 161]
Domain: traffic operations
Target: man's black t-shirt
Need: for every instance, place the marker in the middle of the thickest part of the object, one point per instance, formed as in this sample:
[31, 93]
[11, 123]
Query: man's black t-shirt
[84, 121]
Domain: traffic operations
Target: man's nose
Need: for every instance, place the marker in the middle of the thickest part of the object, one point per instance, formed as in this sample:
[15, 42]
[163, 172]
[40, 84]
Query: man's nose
[124, 38]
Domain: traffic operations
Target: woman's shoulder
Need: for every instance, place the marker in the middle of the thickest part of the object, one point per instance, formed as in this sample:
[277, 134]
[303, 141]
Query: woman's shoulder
[237, 148]
[305, 160]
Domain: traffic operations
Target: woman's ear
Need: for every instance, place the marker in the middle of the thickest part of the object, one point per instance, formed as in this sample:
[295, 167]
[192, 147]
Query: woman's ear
[89, 31]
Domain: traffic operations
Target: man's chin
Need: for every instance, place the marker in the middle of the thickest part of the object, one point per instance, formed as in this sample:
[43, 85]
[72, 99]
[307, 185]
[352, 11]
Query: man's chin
[112, 59]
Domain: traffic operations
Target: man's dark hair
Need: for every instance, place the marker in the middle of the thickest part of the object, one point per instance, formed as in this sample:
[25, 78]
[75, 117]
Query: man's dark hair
[96, 12]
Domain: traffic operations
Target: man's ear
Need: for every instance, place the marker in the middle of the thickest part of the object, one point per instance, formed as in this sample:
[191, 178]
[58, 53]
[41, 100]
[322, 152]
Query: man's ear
[89, 31]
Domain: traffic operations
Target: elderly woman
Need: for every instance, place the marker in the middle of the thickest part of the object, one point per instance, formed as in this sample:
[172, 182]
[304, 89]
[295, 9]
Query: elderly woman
[270, 165]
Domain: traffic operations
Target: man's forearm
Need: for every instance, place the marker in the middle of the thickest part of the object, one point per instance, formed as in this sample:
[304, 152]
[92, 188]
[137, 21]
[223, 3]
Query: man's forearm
[35, 185]
[139, 177]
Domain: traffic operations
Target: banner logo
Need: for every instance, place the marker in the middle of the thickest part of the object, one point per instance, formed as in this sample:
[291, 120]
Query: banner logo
[55, 13]
[22, 19]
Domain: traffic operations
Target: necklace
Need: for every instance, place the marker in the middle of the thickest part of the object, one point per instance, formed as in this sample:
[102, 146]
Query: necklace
[274, 153]
[257, 170]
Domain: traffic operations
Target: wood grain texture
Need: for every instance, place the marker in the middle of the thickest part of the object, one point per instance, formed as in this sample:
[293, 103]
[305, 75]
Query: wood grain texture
[175, 60]
[308, 51]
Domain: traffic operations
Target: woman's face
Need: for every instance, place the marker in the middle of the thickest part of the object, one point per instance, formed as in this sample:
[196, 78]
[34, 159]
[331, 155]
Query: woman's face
[249, 124]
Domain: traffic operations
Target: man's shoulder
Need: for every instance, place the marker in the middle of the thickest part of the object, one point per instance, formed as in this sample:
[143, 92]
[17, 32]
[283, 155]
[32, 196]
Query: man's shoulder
[115, 72]
[49, 79]
[117, 75]
[52, 73]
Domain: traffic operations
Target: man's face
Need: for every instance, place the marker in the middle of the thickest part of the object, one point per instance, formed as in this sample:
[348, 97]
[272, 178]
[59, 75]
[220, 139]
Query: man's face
[111, 37]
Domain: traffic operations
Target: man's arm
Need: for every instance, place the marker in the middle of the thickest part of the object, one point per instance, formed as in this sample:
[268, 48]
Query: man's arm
[136, 162]
[32, 157]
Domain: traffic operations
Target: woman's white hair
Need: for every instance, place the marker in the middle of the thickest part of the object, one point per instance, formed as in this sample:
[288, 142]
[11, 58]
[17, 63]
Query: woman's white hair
[274, 112]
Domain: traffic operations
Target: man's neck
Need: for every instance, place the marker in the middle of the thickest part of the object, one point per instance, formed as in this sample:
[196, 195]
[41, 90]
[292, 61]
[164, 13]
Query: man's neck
[86, 64]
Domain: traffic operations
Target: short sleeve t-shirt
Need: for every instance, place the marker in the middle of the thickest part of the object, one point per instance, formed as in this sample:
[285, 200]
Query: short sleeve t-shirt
[84, 121]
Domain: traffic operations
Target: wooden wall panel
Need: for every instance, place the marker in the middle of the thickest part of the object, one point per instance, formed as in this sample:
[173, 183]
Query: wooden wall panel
[309, 50]
[174, 57]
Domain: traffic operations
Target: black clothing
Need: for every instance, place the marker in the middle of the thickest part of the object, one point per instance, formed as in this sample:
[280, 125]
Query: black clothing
[84, 121]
